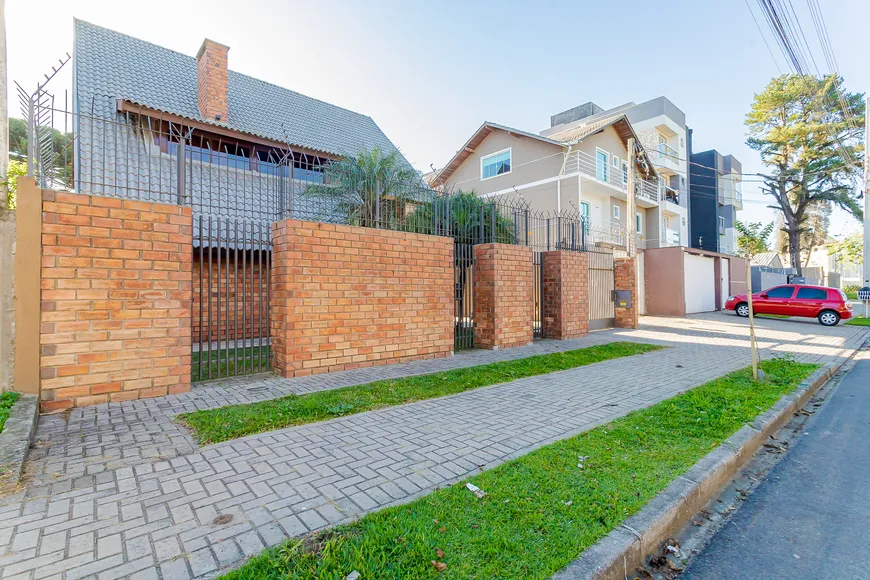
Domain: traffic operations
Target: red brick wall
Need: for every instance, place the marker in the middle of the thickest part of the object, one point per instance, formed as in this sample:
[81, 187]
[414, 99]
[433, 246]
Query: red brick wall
[345, 297]
[503, 295]
[566, 294]
[625, 278]
[116, 297]
[239, 299]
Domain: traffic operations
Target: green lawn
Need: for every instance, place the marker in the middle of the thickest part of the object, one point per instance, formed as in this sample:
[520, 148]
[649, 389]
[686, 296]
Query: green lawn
[6, 401]
[224, 423]
[541, 510]
[858, 322]
[852, 295]
[223, 362]
[771, 316]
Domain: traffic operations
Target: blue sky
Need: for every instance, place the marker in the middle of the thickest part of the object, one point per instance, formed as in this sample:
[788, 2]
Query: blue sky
[431, 73]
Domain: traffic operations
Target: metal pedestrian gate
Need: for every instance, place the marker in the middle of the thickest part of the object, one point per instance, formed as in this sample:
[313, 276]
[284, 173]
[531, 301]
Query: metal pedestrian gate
[231, 292]
[463, 296]
[602, 309]
[538, 318]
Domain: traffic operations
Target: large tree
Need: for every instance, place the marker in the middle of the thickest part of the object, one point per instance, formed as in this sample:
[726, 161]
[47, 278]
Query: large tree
[753, 238]
[808, 131]
[813, 235]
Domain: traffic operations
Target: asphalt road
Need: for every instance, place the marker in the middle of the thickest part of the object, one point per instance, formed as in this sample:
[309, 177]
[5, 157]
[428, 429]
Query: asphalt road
[811, 518]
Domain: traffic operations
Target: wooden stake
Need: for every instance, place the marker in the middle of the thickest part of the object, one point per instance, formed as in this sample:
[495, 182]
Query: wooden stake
[753, 344]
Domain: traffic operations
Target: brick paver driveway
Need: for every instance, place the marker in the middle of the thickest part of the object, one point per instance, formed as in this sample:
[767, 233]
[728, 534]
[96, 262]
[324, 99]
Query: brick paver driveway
[121, 490]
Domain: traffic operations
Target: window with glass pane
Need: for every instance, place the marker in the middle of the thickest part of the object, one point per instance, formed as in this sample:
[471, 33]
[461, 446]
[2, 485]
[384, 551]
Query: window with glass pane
[601, 165]
[624, 173]
[496, 164]
[812, 294]
[638, 223]
[781, 292]
[584, 209]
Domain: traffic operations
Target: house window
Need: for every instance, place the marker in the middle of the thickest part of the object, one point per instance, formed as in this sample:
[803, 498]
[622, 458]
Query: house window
[498, 163]
[584, 209]
[625, 173]
[722, 222]
[616, 161]
[601, 165]
[638, 223]
[616, 212]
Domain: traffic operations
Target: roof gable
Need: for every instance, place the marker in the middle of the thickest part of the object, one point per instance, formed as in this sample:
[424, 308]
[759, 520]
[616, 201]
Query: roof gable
[109, 65]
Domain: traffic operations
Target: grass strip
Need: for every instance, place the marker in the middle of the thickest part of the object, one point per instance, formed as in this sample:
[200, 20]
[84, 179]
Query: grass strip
[542, 509]
[227, 362]
[858, 322]
[6, 402]
[224, 423]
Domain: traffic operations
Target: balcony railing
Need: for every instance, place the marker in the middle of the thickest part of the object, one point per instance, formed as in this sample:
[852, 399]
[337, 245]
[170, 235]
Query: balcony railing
[666, 152]
[671, 237]
[672, 195]
[582, 162]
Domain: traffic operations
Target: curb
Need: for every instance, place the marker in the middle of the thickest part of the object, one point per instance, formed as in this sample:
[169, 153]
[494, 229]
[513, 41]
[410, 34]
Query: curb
[622, 551]
[15, 440]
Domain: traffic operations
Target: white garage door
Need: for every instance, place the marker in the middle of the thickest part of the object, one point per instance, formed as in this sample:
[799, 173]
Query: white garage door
[726, 282]
[700, 284]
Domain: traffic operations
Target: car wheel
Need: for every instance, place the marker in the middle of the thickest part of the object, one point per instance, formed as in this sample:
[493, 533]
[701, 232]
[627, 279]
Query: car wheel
[742, 310]
[829, 318]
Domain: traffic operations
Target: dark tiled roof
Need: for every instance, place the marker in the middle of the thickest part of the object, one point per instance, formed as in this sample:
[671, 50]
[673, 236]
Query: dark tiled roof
[110, 65]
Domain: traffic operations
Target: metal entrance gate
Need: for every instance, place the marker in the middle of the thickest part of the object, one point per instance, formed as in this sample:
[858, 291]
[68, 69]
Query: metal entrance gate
[538, 319]
[231, 292]
[463, 296]
[602, 309]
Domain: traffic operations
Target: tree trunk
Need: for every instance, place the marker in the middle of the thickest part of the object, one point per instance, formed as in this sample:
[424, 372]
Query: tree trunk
[794, 248]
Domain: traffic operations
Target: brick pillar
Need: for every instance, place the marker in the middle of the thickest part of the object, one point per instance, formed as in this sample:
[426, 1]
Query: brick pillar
[504, 295]
[625, 278]
[116, 299]
[566, 294]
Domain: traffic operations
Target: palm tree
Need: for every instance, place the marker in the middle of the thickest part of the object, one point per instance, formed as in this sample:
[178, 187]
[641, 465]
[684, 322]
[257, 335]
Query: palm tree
[371, 189]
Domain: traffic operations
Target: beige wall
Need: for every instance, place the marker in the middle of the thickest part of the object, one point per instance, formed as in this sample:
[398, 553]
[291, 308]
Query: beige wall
[534, 160]
[28, 257]
[531, 160]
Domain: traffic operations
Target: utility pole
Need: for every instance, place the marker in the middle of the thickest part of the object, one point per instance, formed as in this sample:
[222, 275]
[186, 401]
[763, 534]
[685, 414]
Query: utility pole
[4, 118]
[866, 199]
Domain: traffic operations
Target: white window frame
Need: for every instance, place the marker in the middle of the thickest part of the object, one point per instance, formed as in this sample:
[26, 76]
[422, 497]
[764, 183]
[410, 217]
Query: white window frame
[615, 161]
[585, 204]
[606, 165]
[722, 221]
[624, 168]
[487, 156]
[617, 213]
[638, 222]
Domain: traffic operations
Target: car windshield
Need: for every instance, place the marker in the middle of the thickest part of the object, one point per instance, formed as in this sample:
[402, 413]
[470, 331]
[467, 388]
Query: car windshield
[843, 296]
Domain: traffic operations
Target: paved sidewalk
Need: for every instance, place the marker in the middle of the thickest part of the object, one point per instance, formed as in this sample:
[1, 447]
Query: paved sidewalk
[120, 490]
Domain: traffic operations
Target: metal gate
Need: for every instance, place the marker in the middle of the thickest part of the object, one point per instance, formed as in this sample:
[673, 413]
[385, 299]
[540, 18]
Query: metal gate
[538, 318]
[231, 292]
[602, 309]
[463, 296]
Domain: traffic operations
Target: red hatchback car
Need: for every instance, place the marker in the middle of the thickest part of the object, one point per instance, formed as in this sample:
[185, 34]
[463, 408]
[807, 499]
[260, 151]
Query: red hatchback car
[829, 305]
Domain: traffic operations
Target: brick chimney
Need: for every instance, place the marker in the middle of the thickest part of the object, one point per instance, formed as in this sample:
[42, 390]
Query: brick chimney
[212, 81]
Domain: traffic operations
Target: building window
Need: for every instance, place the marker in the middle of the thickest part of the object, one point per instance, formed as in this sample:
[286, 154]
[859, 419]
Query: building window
[601, 165]
[638, 223]
[625, 173]
[584, 209]
[616, 161]
[722, 223]
[498, 163]
[616, 212]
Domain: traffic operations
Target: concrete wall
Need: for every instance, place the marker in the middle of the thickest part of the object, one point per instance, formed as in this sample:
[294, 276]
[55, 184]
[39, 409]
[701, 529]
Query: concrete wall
[7, 305]
[664, 279]
[346, 297]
